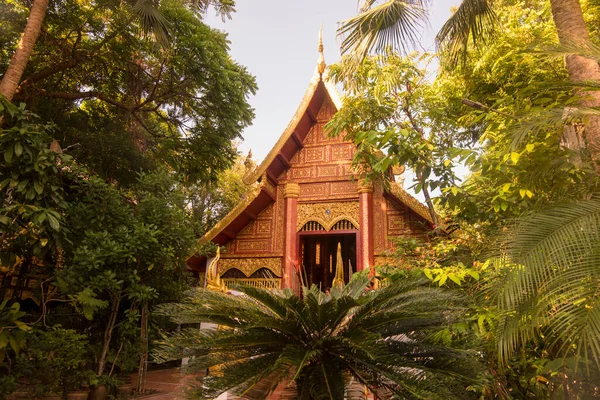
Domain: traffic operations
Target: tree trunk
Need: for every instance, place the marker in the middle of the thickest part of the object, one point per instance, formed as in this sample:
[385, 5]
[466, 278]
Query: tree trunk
[14, 72]
[143, 365]
[108, 331]
[572, 31]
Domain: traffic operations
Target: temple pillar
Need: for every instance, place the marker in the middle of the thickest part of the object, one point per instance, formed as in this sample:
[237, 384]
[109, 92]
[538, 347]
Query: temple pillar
[290, 260]
[365, 216]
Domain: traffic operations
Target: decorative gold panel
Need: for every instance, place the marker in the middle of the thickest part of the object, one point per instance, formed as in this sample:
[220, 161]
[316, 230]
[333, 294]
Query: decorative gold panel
[396, 223]
[264, 227]
[315, 154]
[326, 170]
[341, 152]
[344, 187]
[313, 189]
[267, 213]
[327, 214]
[305, 172]
[250, 265]
[252, 245]
[263, 283]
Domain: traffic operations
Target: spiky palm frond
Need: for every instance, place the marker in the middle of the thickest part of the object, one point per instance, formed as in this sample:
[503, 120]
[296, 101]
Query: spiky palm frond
[152, 20]
[381, 339]
[552, 288]
[394, 24]
[472, 20]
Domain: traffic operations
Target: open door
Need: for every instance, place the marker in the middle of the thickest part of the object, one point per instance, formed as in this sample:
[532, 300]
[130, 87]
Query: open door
[318, 258]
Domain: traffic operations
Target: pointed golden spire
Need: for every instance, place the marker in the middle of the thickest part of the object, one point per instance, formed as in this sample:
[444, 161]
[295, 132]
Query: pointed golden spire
[338, 280]
[321, 61]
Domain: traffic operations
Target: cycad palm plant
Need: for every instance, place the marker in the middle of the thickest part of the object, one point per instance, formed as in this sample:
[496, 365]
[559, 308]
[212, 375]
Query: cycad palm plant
[322, 346]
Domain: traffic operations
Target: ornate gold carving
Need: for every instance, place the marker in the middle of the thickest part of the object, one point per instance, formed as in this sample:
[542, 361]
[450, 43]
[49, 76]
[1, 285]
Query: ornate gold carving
[343, 187]
[291, 190]
[365, 187]
[263, 283]
[264, 227]
[280, 222]
[250, 265]
[327, 214]
[213, 279]
[327, 170]
[315, 154]
[341, 151]
[314, 190]
[396, 222]
[304, 172]
[379, 205]
[252, 245]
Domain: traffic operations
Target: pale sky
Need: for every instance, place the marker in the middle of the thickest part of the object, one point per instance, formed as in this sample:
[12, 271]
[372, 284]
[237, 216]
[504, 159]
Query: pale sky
[277, 41]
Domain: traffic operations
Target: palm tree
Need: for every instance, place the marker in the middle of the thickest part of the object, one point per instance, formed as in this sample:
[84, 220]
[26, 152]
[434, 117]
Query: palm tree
[551, 288]
[395, 23]
[144, 11]
[322, 346]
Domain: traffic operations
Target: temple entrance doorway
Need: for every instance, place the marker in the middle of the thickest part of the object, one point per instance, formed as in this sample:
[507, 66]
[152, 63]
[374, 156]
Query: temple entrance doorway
[319, 258]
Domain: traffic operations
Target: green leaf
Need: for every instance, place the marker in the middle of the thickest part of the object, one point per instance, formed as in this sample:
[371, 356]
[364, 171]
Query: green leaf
[18, 149]
[454, 279]
[443, 280]
[427, 273]
[39, 188]
[474, 274]
[53, 222]
[8, 154]
[514, 156]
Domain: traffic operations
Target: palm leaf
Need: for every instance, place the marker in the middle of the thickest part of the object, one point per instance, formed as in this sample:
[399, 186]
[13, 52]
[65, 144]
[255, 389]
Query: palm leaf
[152, 20]
[393, 24]
[551, 288]
[473, 19]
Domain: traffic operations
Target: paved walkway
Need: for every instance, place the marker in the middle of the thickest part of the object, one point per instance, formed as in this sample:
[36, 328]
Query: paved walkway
[167, 384]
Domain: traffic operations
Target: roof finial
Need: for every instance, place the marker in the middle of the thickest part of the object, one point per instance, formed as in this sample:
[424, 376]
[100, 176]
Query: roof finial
[321, 61]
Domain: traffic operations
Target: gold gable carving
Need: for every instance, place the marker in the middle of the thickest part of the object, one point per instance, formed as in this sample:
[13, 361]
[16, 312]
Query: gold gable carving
[327, 214]
[250, 265]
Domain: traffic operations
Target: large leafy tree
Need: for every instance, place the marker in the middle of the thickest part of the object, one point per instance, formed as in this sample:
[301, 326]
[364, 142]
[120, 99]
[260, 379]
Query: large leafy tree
[143, 13]
[521, 96]
[395, 22]
[389, 340]
[104, 84]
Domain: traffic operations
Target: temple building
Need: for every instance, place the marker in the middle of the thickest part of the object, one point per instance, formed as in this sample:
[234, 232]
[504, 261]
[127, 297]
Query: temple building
[310, 218]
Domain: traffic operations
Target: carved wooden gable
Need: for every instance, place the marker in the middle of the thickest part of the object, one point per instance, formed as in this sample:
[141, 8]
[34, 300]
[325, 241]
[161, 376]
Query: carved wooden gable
[322, 167]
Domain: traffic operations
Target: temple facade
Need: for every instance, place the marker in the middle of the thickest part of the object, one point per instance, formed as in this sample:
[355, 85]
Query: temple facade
[310, 218]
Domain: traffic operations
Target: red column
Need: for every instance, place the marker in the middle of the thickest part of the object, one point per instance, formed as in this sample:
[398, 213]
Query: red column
[365, 216]
[290, 261]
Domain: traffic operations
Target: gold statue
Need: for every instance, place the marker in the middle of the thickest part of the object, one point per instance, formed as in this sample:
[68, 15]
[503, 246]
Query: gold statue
[213, 280]
[338, 280]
